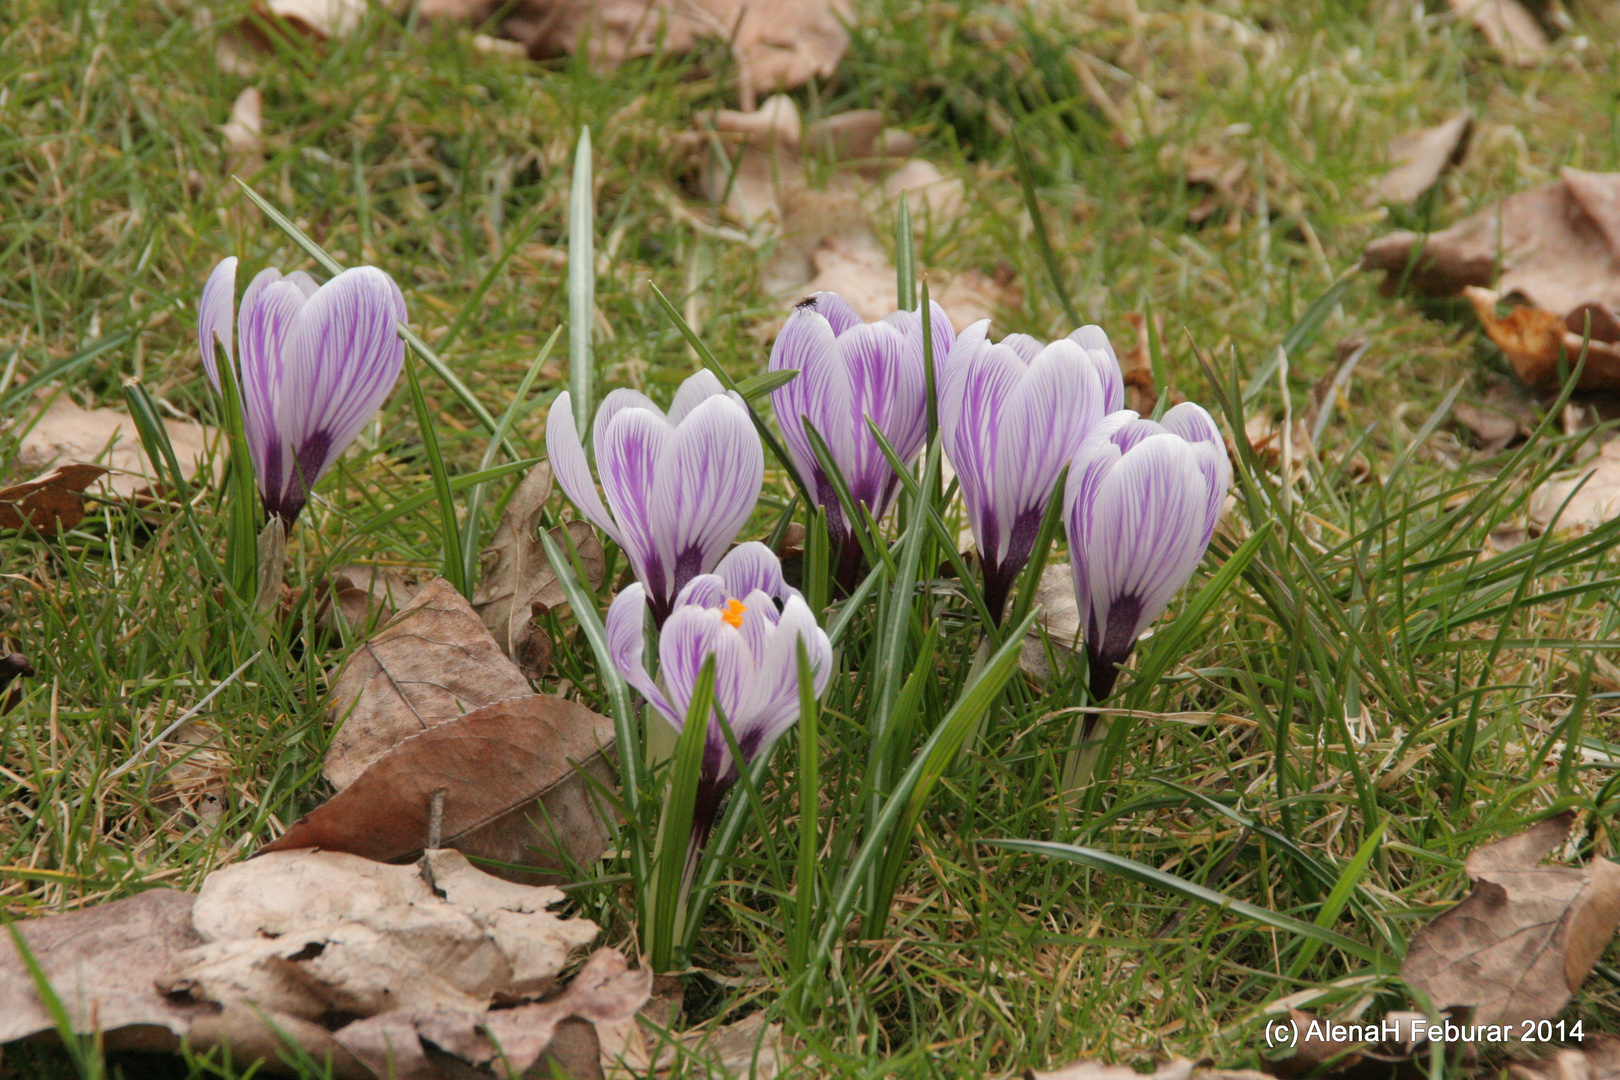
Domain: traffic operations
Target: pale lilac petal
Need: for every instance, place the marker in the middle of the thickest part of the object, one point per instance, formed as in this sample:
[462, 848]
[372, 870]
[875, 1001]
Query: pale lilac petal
[697, 388]
[571, 468]
[751, 566]
[1043, 423]
[966, 346]
[821, 392]
[216, 317]
[690, 636]
[1145, 538]
[708, 479]
[891, 393]
[1026, 347]
[342, 356]
[705, 590]
[832, 307]
[616, 402]
[909, 323]
[271, 307]
[1135, 430]
[977, 391]
[1192, 423]
[627, 642]
[757, 623]
[774, 703]
[1100, 353]
[627, 456]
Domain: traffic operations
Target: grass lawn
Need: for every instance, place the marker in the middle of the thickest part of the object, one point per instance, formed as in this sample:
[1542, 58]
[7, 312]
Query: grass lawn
[1382, 690]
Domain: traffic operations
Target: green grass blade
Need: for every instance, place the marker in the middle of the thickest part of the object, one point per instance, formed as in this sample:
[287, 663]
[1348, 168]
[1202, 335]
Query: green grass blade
[455, 567]
[1043, 239]
[675, 826]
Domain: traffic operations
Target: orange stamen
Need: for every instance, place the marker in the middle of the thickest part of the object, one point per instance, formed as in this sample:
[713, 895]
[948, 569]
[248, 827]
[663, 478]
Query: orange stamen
[733, 613]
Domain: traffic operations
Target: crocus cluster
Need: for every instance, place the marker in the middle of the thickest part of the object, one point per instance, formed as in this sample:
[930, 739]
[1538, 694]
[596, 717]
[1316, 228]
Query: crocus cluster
[314, 364]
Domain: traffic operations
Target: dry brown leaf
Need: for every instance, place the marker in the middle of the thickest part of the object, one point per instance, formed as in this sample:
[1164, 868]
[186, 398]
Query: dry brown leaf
[1556, 247]
[12, 667]
[858, 269]
[1598, 1058]
[1314, 1050]
[1538, 342]
[517, 584]
[1584, 498]
[1419, 158]
[433, 663]
[362, 597]
[411, 1045]
[66, 434]
[100, 961]
[749, 1048]
[1511, 30]
[320, 19]
[48, 503]
[1177, 1069]
[1060, 621]
[510, 773]
[1504, 416]
[1526, 937]
[777, 46]
[244, 132]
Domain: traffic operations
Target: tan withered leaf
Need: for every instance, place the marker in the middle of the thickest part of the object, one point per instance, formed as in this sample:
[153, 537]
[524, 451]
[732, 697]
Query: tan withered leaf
[777, 46]
[635, 1048]
[432, 663]
[1511, 30]
[65, 434]
[1582, 498]
[48, 503]
[1526, 937]
[1420, 158]
[511, 790]
[361, 596]
[1557, 247]
[1598, 1058]
[1537, 342]
[1058, 625]
[411, 1044]
[100, 961]
[516, 576]
[1177, 1069]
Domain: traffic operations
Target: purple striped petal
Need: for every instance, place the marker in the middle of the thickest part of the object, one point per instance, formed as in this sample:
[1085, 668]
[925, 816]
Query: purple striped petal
[341, 358]
[890, 391]
[1195, 425]
[689, 637]
[705, 590]
[1100, 353]
[697, 389]
[627, 456]
[626, 627]
[752, 566]
[1026, 347]
[832, 307]
[571, 468]
[821, 392]
[971, 409]
[216, 317]
[1141, 543]
[774, 701]
[708, 479]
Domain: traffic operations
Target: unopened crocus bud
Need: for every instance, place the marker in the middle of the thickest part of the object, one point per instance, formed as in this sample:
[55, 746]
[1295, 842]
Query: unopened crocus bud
[315, 363]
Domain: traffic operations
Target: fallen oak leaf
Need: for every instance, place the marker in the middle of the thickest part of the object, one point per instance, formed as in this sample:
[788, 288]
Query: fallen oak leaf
[510, 773]
[432, 663]
[1582, 498]
[1511, 30]
[49, 503]
[1526, 937]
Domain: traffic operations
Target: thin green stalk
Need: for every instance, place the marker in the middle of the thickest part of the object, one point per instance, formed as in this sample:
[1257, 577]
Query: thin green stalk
[455, 567]
[581, 284]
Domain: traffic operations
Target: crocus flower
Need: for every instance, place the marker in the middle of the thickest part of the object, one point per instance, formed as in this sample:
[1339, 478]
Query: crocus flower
[680, 486]
[1011, 415]
[1141, 504]
[314, 363]
[851, 371]
[750, 621]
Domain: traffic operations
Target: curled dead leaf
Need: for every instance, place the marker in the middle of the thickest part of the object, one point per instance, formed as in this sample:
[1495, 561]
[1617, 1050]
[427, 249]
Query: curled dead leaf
[1526, 937]
[517, 584]
[432, 663]
[1510, 29]
[513, 788]
[361, 597]
[49, 503]
[1583, 498]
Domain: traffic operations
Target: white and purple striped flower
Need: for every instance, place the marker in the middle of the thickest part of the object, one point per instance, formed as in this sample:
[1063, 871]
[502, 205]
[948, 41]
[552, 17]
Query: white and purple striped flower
[314, 362]
[680, 486]
[850, 372]
[1141, 505]
[750, 621]
[1012, 415]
